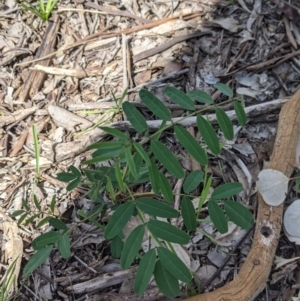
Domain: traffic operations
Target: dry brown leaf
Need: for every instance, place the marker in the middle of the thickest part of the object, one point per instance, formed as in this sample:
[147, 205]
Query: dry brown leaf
[12, 244]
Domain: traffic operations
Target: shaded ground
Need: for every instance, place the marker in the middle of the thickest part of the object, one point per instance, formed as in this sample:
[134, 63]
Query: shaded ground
[90, 50]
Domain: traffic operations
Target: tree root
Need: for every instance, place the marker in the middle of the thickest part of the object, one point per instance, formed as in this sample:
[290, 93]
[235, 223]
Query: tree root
[254, 273]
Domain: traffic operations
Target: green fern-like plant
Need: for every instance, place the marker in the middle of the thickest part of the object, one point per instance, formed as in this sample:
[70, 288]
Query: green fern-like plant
[148, 160]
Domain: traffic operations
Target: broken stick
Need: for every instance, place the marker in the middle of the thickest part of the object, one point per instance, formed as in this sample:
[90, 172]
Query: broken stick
[35, 80]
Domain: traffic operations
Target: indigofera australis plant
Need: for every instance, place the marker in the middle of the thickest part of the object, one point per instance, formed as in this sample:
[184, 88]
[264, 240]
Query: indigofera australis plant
[143, 160]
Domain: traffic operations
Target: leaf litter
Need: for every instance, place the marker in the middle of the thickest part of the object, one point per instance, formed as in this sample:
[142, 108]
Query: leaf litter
[87, 62]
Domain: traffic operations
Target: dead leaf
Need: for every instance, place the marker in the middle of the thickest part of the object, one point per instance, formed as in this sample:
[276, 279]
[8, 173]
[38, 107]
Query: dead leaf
[291, 219]
[272, 185]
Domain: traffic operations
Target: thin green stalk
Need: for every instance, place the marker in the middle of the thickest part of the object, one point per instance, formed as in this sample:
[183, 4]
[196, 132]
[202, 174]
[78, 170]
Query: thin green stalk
[171, 247]
[141, 217]
[36, 150]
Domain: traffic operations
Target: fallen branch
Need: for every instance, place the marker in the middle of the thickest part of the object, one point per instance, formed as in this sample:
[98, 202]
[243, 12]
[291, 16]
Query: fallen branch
[254, 273]
[66, 150]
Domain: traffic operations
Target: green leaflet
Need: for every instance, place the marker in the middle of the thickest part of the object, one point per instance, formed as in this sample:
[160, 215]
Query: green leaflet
[119, 176]
[130, 162]
[114, 132]
[224, 89]
[167, 159]
[168, 232]
[142, 152]
[209, 135]
[166, 188]
[174, 265]
[240, 113]
[155, 105]
[64, 246]
[227, 190]
[225, 124]
[53, 202]
[201, 96]
[47, 238]
[57, 224]
[144, 272]
[239, 214]
[156, 208]
[132, 246]
[118, 220]
[108, 146]
[134, 116]
[188, 214]
[217, 216]
[191, 145]
[167, 283]
[193, 180]
[154, 177]
[180, 98]
[116, 246]
[36, 260]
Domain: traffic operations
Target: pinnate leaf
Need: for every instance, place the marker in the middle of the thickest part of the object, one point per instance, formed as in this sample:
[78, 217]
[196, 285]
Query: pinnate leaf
[119, 177]
[17, 213]
[22, 218]
[31, 219]
[100, 158]
[36, 203]
[25, 204]
[43, 221]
